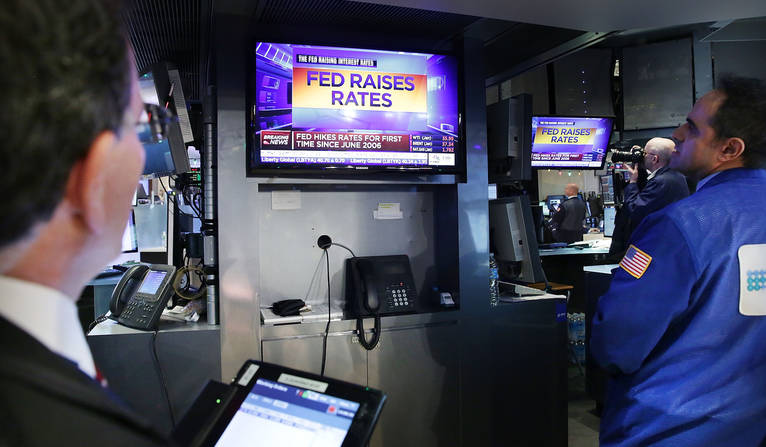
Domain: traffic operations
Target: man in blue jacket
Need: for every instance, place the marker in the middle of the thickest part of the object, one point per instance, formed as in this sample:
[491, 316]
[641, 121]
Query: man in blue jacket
[682, 327]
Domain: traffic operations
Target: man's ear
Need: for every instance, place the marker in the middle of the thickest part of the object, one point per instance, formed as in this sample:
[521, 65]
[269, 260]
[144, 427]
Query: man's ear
[87, 185]
[733, 148]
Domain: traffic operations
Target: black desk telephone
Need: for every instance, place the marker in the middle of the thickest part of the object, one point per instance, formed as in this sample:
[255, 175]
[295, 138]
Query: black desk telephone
[375, 286]
[141, 295]
[379, 285]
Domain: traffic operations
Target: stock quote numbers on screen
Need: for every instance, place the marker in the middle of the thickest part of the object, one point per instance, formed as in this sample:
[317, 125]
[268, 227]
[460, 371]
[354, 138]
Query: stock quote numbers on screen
[352, 110]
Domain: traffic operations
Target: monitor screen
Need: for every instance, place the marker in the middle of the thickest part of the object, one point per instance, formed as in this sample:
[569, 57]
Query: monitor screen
[570, 142]
[351, 110]
[544, 207]
[513, 239]
[610, 213]
[129, 239]
[554, 201]
[164, 126]
[279, 414]
[152, 282]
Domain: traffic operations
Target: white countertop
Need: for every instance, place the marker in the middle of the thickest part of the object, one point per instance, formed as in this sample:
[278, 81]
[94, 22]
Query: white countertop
[111, 327]
[605, 269]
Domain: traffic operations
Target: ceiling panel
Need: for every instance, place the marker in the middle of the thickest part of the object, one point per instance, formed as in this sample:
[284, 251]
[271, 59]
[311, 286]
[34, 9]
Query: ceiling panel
[596, 15]
[169, 30]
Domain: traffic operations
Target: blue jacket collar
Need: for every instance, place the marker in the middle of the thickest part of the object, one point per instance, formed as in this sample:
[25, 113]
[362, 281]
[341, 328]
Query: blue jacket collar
[736, 173]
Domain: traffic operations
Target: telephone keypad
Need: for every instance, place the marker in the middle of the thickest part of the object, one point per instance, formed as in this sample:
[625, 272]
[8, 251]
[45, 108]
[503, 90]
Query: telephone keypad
[399, 297]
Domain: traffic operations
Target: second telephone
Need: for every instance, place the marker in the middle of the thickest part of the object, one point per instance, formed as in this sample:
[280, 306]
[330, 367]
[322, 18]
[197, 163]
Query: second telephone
[141, 295]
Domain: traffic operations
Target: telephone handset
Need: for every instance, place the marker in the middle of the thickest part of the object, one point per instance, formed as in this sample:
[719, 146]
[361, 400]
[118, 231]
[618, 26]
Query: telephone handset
[141, 295]
[125, 289]
[368, 291]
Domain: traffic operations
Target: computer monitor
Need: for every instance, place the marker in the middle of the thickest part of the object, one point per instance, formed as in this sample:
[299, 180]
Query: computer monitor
[609, 214]
[513, 239]
[129, 238]
[553, 201]
[544, 207]
[166, 151]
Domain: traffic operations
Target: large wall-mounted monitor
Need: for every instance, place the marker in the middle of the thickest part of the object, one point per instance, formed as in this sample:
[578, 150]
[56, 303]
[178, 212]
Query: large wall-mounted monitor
[567, 142]
[351, 110]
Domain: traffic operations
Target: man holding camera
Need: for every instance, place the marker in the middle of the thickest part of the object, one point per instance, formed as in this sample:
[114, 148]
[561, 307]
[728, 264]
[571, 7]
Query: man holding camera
[663, 187]
[681, 328]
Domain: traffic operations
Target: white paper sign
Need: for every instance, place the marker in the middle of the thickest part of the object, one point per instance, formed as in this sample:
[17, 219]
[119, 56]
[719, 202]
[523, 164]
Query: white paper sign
[752, 280]
[387, 211]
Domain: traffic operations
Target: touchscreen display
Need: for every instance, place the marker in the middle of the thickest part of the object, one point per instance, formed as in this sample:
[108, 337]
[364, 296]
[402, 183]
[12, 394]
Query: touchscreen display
[279, 414]
[152, 282]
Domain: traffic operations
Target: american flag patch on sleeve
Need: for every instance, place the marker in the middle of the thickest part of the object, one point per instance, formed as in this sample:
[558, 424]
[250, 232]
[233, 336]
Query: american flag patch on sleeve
[635, 262]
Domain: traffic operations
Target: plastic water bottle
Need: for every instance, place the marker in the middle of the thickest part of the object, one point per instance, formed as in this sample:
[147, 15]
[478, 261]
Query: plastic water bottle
[580, 327]
[580, 352]
[494, 292]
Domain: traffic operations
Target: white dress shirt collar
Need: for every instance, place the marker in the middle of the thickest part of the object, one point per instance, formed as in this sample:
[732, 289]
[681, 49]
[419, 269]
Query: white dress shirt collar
[49, 316]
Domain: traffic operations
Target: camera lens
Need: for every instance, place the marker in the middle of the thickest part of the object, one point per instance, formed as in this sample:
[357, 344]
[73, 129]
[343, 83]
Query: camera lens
[632, 156]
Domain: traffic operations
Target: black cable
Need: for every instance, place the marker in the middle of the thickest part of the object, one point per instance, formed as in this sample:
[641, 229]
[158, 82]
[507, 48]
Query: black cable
[341, 245]
[163, 187]
[161, 376]
[329, 310]
[368, 345]
[95, 322]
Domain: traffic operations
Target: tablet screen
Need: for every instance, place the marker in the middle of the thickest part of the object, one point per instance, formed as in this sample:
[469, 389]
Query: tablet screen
[279, 414]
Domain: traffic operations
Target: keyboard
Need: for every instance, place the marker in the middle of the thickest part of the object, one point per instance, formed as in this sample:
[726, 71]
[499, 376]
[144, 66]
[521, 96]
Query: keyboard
[553, 245]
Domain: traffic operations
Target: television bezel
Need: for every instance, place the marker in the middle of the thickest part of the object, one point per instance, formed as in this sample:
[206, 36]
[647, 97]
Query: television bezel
[352, 172]
[589, 168]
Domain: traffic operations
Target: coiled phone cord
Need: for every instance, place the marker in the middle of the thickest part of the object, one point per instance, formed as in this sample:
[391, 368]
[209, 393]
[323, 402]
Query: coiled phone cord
[368, 345]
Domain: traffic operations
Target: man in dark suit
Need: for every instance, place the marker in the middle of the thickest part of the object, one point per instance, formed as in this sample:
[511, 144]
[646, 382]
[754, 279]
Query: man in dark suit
[567, 220]
[663, 187]
[71, 162]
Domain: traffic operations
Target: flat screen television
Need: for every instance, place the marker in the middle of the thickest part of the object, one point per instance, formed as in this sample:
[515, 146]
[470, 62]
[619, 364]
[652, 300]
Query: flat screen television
[570, 142]
[343, 110]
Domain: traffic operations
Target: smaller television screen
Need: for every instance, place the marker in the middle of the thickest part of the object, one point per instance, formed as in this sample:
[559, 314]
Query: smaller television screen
[570, 142]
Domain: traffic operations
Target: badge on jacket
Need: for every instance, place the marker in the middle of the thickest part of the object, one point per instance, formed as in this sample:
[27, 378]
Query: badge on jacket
[635, 261]
[752, 279]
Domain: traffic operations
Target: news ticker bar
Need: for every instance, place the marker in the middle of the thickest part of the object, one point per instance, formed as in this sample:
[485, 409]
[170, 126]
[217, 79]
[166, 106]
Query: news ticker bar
[566, 163]
[357, 157]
